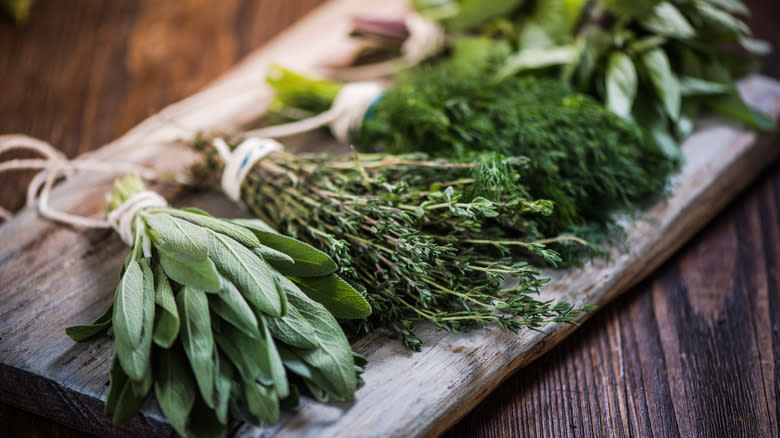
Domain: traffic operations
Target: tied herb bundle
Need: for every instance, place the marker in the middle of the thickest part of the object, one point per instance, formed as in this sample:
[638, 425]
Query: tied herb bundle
[429, 240]
[657, 63]
[586, 160]
[223, 319]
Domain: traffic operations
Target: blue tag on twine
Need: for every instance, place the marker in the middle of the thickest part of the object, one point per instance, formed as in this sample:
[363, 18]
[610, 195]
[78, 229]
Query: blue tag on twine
[369, 116]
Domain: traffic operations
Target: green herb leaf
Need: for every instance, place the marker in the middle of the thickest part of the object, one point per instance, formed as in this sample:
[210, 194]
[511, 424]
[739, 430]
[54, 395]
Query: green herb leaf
[656, 65]
[179, 235]
[690, 86]
[133, 319]
[734, 106]
[231, 306]
[293, 329]
[333, 359]
[249, 273]
[174, 387]
[341, 299]
[278, 374]
[166, 318]
[196, 273]
[621, 84]
[667, 20]
[197, 339]
[307, 261]
[222, 385]
[82, 332]
[121, 403]
[250, 356]
[537, 58]
[221, 226]
[262, 402]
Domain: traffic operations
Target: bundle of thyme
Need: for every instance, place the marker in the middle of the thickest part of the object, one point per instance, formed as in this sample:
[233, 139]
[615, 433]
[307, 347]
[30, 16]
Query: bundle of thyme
[222, 319]
[431, 240]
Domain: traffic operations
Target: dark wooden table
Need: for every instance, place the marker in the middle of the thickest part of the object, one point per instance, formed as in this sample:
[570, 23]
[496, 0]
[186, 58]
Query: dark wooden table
[692, 351]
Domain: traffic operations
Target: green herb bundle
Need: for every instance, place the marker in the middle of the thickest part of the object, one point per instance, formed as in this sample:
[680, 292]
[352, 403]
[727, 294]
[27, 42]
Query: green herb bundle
[223, 319]
[657, 63]
[429, 241]
[586, 160]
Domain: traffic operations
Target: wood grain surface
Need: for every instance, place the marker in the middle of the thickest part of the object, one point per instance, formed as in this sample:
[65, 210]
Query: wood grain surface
[691, 351]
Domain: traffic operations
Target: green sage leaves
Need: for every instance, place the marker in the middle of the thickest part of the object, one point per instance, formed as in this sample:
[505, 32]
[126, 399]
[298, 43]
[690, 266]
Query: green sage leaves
[202, 317]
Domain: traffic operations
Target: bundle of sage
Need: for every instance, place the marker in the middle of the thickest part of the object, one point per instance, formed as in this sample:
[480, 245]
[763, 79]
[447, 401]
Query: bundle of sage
[222, 318]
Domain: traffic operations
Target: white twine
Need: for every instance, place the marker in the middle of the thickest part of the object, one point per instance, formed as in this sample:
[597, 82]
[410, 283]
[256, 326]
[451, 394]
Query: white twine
[344, 116]
[239, 162]
[122, 219]
[56, 165]
[425, 38]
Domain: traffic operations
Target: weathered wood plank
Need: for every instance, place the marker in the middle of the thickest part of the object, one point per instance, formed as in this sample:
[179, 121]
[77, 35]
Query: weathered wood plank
[687, 353]
[36, 280]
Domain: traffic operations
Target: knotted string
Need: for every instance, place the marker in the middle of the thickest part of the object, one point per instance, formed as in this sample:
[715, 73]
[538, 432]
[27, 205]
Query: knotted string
[344, 116]
[239, 162]
[425, 38]
[56, 165]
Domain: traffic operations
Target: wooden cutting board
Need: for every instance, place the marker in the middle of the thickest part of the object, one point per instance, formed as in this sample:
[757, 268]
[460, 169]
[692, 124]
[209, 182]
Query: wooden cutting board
[53, 276]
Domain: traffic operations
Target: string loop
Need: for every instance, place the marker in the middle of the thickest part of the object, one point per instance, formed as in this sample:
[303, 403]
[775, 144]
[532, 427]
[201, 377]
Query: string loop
[239, 162]
[344, 116]
[56, 165]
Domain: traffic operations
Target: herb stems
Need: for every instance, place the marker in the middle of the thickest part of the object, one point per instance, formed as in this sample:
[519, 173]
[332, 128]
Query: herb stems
[427, 240]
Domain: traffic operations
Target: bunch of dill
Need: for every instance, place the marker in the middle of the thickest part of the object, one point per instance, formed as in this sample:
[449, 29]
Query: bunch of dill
[585, 159]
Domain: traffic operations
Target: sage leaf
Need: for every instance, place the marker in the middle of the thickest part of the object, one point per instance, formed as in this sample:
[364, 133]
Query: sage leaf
[197, 339]
[294, 363]
[333, 358]
[278, 374]
[129, 305]
[262, 402]
[306, 261]
[166, 318]
[83, 332]
[621, 84]
[667, 87]
[142, 386]
[666, 19]
[249, 273]
[196, 273]
[222, 385]
[231, 306]
[133, 319]
[250, 356]
[179, 235]
[270, 254]
[121, 403]
[174, 388]
[341, 299]
[293, 329]
[221, 226]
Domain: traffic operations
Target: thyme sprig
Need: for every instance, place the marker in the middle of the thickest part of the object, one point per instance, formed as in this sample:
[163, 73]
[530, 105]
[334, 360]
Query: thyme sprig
[432, 240]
